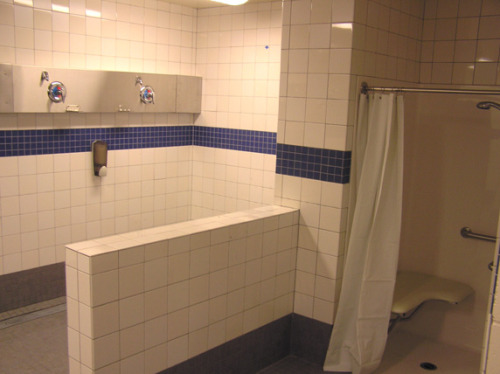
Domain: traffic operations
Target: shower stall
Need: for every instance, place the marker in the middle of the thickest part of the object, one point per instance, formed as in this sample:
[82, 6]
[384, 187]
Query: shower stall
[449, 182]
[451, 179]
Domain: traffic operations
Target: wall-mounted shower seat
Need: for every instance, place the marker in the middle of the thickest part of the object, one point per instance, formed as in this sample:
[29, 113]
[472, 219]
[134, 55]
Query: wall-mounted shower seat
[412, 289]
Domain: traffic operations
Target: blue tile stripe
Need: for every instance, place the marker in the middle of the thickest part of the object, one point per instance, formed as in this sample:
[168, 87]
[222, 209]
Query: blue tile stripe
[240, 140]
[313, 163]
[38, 142]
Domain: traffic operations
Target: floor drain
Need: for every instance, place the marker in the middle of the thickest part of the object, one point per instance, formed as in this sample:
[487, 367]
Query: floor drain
[428, 366]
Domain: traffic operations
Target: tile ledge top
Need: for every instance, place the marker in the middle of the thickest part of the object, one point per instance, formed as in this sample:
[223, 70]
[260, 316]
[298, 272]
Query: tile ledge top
[99, 246]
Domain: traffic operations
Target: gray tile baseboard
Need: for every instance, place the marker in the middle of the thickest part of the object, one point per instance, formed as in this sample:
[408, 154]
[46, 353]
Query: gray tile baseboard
[32, 286]
[246, 354]
[309, 339]
[293, 334]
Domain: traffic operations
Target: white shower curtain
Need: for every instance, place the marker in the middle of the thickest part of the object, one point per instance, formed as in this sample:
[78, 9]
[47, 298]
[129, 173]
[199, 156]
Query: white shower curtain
[360, 329]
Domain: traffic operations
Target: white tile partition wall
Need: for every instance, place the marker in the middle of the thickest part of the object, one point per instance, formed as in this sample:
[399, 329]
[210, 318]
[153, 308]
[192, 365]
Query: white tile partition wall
[147, 300]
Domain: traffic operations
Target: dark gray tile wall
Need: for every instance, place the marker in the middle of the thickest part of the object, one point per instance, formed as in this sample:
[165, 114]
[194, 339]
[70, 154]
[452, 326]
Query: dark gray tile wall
[293, 334]
[32, 286]
[309, 339]
[246, 354]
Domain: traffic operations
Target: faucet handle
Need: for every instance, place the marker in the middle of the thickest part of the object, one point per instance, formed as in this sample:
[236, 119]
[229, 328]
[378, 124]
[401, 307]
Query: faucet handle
[147, 95]
[56, 92]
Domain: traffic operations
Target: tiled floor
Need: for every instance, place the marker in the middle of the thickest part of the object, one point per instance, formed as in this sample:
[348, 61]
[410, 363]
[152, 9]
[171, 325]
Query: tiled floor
[292, 365]
[403, 355]
[405, 352]
[36, 343]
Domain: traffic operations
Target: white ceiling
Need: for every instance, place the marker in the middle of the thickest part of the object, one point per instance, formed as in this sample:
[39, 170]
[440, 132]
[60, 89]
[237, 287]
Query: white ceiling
[205, 3]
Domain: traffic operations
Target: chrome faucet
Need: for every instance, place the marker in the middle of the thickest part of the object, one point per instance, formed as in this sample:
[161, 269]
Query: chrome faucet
[147, 93]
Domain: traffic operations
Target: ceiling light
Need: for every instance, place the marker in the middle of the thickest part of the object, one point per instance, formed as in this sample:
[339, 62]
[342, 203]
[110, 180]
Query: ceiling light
[346, 26]
[60, 8]
[24, 2]
[231, 2]
[92, 13]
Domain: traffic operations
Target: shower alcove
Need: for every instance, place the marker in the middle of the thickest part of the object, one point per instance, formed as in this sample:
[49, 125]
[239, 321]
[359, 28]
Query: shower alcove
[451, 179]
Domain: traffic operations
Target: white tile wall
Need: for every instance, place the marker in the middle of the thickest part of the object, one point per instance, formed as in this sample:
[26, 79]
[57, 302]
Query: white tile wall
[387, 39]
[452, 42]
[314, 108]
[238, 56]
[227, 181]
[121, 312]
[321, 242]
[48, 201]
[45, 208]
[152, 36]
[53, 200]
[460, 43]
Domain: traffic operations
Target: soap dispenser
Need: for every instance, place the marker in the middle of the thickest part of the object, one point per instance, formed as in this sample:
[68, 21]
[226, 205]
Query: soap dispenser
[100, 157]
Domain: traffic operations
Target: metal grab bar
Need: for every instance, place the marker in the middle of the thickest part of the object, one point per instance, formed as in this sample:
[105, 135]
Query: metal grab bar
[467, 232]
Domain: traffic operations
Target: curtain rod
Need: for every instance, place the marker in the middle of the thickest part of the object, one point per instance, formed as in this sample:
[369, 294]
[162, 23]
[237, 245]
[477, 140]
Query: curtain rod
[365, 89]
